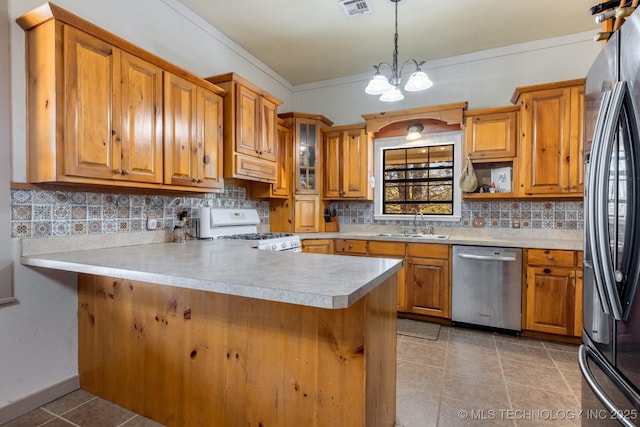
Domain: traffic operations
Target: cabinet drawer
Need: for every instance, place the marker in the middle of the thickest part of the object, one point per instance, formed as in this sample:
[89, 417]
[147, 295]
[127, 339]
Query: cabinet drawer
[348, 246]
[386, 248]
[428, 250]
[551, 257]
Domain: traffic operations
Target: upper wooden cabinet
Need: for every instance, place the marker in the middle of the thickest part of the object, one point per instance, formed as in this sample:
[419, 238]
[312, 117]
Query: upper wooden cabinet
[551, 155]
[307, 150]
[348, 163]
[282, 187]
[250, 129]
[491, 133]
[193, 134]
[491, 139]
[95, 106]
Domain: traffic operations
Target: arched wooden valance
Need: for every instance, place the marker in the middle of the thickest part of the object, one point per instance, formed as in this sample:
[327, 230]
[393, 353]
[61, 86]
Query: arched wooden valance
[451, 114]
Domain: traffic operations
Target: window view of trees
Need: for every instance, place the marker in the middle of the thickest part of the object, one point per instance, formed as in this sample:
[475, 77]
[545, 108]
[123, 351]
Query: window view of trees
[418, 179]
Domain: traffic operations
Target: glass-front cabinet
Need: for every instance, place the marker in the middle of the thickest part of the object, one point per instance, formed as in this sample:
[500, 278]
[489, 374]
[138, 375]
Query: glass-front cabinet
[307, 157]
[307, 150]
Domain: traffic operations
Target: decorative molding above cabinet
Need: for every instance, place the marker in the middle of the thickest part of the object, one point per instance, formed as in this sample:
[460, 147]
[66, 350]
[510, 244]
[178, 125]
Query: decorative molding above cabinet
[95, 111]
[250, 129]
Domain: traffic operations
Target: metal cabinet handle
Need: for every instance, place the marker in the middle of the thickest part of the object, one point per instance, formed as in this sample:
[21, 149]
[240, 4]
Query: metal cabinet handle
[487, 257]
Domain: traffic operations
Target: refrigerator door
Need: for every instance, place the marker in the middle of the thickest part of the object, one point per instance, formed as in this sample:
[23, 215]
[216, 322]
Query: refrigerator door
[599, 85]
[607, 399]
[628, 331]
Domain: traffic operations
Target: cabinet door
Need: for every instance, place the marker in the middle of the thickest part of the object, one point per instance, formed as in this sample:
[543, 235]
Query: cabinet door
[247, 121]
[490, 136]
[306, 214]
[307, 138]
[551, 300]
[332, 164]
[282, 186]
[208, 153]
[268, 143]
[318, 246]
[91, 121]
[576, 150]
[140, 141]
[545, 149]
[179, 130]
[355, 169]
[392, 250]
[429, 287]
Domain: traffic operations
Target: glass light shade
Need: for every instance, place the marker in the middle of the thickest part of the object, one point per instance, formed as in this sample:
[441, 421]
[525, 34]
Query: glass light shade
[378, 85]
[418, 81]
[392, 95]
[414, 132]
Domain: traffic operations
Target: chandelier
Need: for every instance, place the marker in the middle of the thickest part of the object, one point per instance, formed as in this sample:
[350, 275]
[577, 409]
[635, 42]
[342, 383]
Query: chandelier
[389, 87]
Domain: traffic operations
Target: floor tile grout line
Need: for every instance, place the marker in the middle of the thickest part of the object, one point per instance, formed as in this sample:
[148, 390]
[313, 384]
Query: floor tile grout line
[125, 422]
[56, 417]
[77, 406]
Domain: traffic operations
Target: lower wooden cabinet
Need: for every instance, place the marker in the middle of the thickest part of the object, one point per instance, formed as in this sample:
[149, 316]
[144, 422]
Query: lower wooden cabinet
[350, 247]
[429, 279]
[553, 292]
[318, 246]
[380, 249]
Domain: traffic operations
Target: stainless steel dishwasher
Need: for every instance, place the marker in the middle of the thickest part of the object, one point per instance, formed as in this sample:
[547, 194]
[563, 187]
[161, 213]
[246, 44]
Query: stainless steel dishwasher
[486, 287]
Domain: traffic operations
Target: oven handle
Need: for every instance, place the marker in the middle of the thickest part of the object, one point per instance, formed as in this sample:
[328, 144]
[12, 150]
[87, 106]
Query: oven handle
[597, 390]
[487, 257]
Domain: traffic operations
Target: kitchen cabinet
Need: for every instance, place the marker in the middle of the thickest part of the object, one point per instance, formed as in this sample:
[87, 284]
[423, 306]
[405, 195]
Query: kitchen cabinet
[318, 246]
[350, 247]
[491, 140]
[302, 210]
[551, 154]
[193, 134]
[282, 187]
[553, 294]
[250, 129]
[381, 249]
[428, 280]
[348, 163]
[95, 106]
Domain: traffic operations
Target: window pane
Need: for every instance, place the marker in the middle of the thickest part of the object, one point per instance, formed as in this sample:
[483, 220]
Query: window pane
[418, 179]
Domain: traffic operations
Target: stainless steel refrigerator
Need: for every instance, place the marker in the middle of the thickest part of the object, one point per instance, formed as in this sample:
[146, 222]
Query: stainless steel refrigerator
[610, 355]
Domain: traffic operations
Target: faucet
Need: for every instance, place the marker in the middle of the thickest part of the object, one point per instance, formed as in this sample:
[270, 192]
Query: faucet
[415, 221]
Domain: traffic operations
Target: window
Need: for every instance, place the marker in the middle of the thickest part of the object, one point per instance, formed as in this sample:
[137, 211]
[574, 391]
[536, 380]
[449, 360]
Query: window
[418, 176]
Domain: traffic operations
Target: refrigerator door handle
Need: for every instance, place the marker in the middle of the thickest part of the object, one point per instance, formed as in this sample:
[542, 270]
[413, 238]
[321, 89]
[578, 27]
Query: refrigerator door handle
[592, 190]
[601, 194]
[583, 353]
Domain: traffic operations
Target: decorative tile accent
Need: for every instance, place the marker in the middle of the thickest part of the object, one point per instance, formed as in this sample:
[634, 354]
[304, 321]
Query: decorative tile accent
[38, 213]
[533, 215]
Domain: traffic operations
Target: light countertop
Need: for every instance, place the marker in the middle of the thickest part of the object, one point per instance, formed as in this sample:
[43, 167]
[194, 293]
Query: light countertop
[534, 239]
[227, 266]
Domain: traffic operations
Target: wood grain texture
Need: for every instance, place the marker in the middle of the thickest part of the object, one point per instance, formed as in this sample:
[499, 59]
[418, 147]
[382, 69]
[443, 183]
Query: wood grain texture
[191, 358]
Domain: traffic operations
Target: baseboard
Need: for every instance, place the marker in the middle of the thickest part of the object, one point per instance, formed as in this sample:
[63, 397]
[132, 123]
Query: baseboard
[38, 399]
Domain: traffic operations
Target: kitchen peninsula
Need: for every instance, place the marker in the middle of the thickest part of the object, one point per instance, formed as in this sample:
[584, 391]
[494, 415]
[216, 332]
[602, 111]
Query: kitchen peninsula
[219, 333]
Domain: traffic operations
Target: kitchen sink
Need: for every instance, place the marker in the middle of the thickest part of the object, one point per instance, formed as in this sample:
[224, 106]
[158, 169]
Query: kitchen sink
[416, 236]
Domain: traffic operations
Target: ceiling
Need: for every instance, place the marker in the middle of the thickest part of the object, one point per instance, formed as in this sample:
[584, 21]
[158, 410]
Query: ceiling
[313, 40]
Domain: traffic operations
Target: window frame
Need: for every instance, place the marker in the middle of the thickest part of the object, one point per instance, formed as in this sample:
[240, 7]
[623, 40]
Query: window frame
[381, 144]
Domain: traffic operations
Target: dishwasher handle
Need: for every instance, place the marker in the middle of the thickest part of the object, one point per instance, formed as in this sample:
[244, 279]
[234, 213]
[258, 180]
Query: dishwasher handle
[487, 257]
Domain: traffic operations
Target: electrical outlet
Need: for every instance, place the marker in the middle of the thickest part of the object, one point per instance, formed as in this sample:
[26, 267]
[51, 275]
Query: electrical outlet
[515, 222]
[152, 223]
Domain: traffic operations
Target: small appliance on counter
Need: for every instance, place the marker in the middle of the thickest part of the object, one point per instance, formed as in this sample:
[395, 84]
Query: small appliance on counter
[242, 224]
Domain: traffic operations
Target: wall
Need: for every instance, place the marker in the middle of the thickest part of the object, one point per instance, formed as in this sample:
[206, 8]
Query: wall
[484, 79]
[38, 334]
[6, 279]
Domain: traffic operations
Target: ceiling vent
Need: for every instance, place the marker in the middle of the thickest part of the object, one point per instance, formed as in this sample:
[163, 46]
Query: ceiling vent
[355, 7]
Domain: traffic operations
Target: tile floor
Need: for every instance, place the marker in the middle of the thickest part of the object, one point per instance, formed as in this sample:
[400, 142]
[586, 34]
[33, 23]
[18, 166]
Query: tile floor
[465, 378]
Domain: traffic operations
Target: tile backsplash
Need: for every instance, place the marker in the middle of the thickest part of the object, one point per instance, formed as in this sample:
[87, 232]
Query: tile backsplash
[558, 215]
[43, 213]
